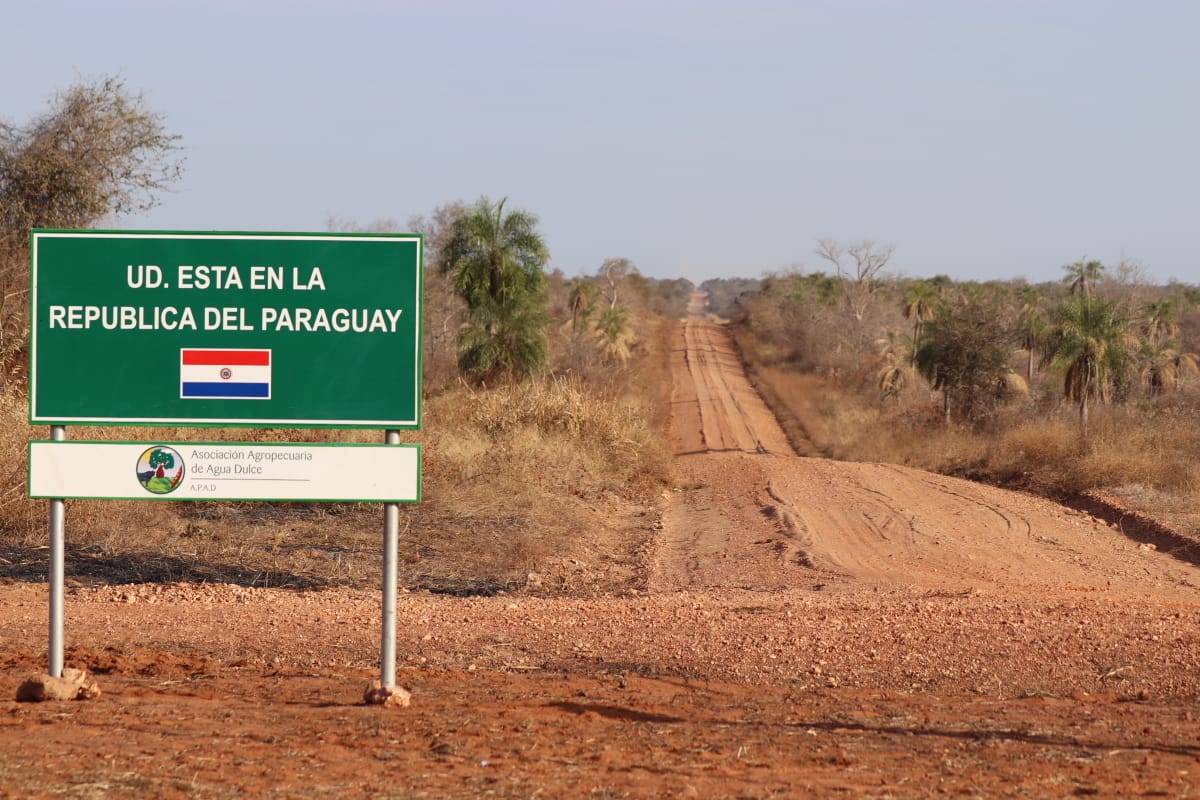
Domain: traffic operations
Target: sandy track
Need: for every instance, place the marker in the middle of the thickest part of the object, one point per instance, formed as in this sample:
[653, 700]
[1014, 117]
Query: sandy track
[714, 406]
[752, 516]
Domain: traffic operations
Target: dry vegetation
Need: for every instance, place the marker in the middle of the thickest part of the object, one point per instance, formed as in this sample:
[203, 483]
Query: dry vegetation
[1138, 454]
[517, 479]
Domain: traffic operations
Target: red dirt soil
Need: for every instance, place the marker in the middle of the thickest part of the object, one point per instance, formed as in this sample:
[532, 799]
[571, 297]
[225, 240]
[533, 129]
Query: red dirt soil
[810, 629]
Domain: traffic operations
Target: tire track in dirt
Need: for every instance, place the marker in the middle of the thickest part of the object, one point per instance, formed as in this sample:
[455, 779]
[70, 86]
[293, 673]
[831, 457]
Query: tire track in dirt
[716, 407]
[750, 514]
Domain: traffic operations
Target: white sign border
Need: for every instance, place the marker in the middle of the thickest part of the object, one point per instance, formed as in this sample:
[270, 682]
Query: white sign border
[405, 450]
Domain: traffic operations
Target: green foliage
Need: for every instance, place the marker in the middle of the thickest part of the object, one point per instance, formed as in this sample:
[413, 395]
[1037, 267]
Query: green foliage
[861, 405]
[495, 261]
[921, 301]
[816, 288]
[1160, 320]
[160, 485]
[162, 457]
[614, 335]
[581, 299]
[1163, 363]
[1091, 339]
[965, 354]
[1033, 326]
[1082, 276]
[504, 340]
[494, 257]
[920, 304]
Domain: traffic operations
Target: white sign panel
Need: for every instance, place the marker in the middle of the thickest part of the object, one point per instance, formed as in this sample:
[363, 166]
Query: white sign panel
[225, 471]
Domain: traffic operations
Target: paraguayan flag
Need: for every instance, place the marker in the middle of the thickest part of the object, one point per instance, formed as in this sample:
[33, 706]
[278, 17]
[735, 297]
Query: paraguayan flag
[212, 374]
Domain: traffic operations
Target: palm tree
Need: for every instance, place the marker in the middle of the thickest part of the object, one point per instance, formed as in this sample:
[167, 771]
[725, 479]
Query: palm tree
[613, 334]
[504, 340]
[1032, 326]
[1160, 321]
[1164, 367]
[1091, 339]
[581, 294]
[495, 260]
[920, 305]
[896, 371]
[1082, 276]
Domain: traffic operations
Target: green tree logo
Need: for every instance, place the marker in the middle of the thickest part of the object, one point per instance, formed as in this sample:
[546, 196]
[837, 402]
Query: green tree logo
[160, 470]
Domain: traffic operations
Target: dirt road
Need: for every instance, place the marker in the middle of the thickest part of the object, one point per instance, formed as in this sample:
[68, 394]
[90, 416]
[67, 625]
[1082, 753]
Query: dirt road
[808, 629]
[714, 408]
[752, 516]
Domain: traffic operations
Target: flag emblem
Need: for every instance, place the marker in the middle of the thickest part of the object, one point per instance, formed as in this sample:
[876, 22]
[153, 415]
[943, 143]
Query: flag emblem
[213, 374]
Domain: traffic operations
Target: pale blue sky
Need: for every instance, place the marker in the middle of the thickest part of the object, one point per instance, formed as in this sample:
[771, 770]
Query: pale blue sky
[983, 138]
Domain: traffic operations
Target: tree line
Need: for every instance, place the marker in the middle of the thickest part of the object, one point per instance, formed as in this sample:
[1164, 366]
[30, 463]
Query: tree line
[1101, 334]
[496, 312]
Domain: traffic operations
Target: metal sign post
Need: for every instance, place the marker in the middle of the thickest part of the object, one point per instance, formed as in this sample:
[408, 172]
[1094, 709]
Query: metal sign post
[58, 559]
[391, 548]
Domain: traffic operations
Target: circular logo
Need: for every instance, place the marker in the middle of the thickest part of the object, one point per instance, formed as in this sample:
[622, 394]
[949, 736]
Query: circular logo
[160, 470]
[226, 373]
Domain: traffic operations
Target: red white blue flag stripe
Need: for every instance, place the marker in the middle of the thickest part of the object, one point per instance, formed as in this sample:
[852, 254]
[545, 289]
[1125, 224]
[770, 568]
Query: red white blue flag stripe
[216, 374]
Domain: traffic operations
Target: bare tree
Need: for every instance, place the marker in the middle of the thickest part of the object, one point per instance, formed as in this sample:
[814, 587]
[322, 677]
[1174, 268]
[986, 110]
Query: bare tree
[1130, 282]
[95, 154]
[858, 264]
[98, 151]
[443, 308]
[436, 228]
[614, 270]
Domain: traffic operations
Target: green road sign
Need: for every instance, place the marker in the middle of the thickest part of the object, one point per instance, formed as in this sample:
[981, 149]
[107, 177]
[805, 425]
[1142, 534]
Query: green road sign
[202, 328]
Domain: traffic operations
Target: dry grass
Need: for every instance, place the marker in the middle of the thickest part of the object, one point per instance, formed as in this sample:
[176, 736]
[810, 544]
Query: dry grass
[561, 432]
[510, 476]
[1142, 454]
